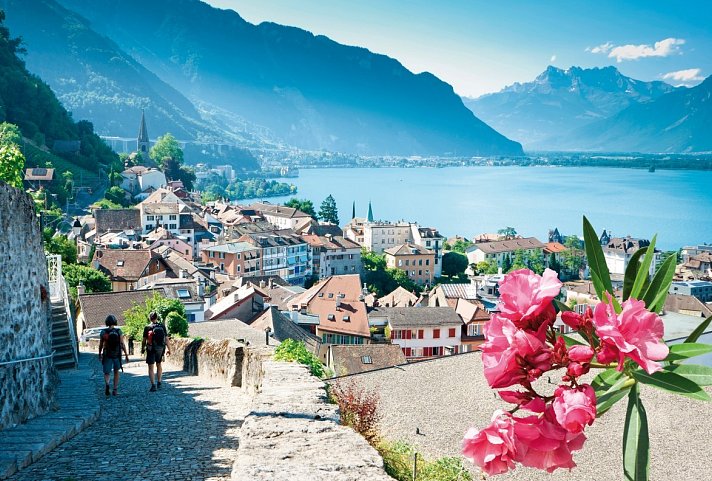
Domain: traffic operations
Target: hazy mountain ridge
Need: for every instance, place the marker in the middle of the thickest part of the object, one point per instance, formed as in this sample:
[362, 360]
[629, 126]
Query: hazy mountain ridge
[541, 113]
[309, 90]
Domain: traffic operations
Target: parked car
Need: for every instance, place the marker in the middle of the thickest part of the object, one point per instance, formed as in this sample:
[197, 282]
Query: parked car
[91, 333]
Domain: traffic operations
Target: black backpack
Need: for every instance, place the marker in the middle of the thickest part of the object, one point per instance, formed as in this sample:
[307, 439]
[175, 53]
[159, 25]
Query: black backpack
[112, 338]
[159, 335]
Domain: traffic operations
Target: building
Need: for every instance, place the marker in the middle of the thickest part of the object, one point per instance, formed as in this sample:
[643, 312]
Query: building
[474, 316]
[140, 181]
[239, 259]
[400, 297]
[354, 230]
[125, 267]
[175, 217]
[281, 327]
[280, 216]
[424, 332]
[39, 176]
[243, 304]
[618, 252]
[116, 220]
[497, 251]
[332, 255]
[430, 239]
[702, 290]
[418, 262]
[348, 360]
[449, 294]
[698, 265]
[338, 303]
[283, 253]
[379, 236]
[93, 308]
[162, 237]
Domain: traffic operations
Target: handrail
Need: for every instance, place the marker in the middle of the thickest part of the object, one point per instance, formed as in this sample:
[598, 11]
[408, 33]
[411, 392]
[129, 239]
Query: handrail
[17, 361]
[70, 320]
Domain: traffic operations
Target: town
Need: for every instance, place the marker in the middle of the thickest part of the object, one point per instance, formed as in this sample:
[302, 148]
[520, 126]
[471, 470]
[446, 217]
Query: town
[384, 292]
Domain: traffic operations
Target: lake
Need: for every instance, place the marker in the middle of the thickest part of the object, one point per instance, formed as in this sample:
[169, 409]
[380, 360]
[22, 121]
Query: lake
[675, 204]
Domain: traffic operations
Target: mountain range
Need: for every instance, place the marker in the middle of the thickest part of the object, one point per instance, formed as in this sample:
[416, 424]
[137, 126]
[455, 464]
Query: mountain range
[199, 70]
[599, 109]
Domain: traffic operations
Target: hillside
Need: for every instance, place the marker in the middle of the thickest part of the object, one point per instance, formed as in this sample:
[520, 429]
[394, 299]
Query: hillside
[680, 121]
[542, 112]
[308, 90]
[28, 102]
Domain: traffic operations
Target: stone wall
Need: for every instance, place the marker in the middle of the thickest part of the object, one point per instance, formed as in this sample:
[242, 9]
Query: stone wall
[26, 388]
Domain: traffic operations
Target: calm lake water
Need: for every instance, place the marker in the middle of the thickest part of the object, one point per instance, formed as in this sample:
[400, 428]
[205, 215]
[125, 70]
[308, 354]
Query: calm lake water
[675, 204]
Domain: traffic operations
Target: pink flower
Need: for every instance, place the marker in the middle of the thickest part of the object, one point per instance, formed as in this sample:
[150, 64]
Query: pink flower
[493, 448]
[608, 353]
[572, 319]
[635, 332]
[542, 443]
[575, 408]
[580, 353]
[574, 370]
[525, 298]
[511, 355]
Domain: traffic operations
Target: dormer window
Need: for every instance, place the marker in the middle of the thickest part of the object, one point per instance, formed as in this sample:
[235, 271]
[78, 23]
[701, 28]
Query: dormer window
[183, 293]
[331, 295]
[331, 317]
[120, 263]
[346, 318]
[366, 360]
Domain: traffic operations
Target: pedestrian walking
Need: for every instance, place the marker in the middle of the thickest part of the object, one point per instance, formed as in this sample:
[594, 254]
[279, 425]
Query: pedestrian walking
[111, 345]
[155, 343]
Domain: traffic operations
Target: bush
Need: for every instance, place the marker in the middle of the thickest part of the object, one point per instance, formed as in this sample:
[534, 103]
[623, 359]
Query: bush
[177, 324]
[93, 280]
[398, 463]
[137, 316]
[359, 408]
[291, 350]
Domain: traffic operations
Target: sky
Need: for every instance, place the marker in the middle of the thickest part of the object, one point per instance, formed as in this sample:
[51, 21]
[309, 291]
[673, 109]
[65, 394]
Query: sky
[481, 46]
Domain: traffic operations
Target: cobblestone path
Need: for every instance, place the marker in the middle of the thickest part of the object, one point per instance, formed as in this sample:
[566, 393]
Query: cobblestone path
[187, 431]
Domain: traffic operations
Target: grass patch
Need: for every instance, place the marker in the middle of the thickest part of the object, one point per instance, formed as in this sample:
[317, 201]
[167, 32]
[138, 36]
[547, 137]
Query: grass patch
[291, 350]
[398, 462]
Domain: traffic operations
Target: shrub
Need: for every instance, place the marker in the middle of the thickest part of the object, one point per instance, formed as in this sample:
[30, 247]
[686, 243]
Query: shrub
[359, 408]
[398, 463]
[291, 350]
[137, 316]
[177, 324]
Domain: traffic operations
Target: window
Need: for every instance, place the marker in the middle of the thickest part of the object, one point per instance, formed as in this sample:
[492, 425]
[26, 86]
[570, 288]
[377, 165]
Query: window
[436, 333]
[420, 333]
[451, 332]
[172, 217]
[238, 268]
[407, 262]
[187, 252]
[191, 317]
[427, 243]
[420, 272]
[120, 263]
[331, 317]
[346, 318]
[183, 293]
[222, 266]
[474, 330]
[366, 360]
[172, 226]
[420, 262]
[150, 217]
[427, 262]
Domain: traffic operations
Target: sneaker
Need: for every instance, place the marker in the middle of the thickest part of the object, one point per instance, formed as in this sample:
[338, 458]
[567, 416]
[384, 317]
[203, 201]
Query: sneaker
[106, 390]
[153, 388]
[158, 385]
[114, 392]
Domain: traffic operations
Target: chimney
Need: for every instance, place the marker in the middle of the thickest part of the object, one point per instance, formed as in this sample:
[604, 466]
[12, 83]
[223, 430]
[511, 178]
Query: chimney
[271, 283]
[81, 289]
[364, 291]
[263, 284]
[201, 287]
[183, 274]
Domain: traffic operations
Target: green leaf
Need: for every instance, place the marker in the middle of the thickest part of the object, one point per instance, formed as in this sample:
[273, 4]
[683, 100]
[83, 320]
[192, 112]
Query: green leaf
[561, 306]
[687, 350]
[596, 261]
[606, 401]
[644, 270]
[570, 341]
[669, 381]
[631, 272]
[700, 375]
[605, 379]
[636, 444]
[658, 289]
[699, 330]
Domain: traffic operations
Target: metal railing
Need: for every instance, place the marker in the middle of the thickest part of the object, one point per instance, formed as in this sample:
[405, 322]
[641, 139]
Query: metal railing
[18, 361]
[70, 321]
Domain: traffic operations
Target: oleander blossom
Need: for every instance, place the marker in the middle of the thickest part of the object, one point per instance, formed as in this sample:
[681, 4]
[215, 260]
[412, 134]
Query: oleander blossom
[511, 355]
[635, 333]
[525, 299]
[542, 443]
[575, 408]
[493, 448]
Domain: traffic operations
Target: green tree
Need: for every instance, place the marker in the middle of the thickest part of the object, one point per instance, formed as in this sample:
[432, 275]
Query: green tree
[10, 134]
[535, 261]
[328, 211]
[372, 261]
[166, 147]
[554, 264]
[573, 258]
[303, 205]
[61, 245]
[507, 232]
[507, 263]
[117, 195]
[519, 262]
[12, 164]
[68, 177]
[454, 264]
[106, 204]
[177, 324]
[137, 316]
[486, 267]
[93, 280]
[461, 245]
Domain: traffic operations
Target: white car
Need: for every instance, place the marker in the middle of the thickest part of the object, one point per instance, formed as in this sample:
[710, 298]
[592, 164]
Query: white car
[91, 333]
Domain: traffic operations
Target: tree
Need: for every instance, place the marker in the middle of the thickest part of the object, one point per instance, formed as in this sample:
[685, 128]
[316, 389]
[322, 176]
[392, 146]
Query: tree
[573, 258]
[166, 147]
[454, 264]
[303, 205]
[554, 264]
[171, 167]
[461, 245]
[12, 164]
[117, 195]
[507, 232]
[535, 261]
[519, 262]
[63, 246]
[507, 263]
[328, 211]
[137, 316]
[106, 204]
[93, 280]
[68, 177]
[486, 267]
[10, 134]
[381, 279]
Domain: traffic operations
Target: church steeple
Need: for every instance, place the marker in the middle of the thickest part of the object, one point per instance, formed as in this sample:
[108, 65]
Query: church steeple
[370, 212]
[143, 144]
[353, 211]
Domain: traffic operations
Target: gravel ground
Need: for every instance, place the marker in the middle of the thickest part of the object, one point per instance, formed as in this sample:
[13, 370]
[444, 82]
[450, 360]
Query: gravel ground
[228, 329]
[444, 397]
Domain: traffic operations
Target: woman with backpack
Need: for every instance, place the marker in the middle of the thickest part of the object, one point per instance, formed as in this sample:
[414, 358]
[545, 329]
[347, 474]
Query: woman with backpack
[111, 344]
[154, 344]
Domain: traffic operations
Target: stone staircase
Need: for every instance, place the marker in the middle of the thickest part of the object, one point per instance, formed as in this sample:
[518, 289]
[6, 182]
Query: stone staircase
[61, 337]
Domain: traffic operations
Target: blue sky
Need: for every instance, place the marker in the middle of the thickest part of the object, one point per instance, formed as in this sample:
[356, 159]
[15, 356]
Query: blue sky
[481, 46]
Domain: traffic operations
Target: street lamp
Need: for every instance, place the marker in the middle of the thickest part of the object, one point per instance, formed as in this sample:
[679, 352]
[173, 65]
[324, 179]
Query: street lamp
[268, 331]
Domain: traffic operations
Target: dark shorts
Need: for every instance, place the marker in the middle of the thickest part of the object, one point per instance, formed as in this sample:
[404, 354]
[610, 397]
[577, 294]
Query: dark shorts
[154, 356]
[111, 363]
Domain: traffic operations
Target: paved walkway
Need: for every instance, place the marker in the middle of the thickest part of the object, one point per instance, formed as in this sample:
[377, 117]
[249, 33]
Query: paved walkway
[187, 431]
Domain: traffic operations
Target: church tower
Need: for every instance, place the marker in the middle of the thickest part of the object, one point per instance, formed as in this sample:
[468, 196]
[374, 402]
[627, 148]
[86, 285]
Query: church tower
[143, 145]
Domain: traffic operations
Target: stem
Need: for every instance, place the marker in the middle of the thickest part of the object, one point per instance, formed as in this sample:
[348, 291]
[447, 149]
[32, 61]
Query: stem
[602, 366]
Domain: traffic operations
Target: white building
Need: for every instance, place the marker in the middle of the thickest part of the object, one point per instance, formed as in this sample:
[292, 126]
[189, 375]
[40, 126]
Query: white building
[618, 252]
[422, 332]
[379, 236]
[140, 181]
[280, 216]
[430, 239]
[499, 250]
